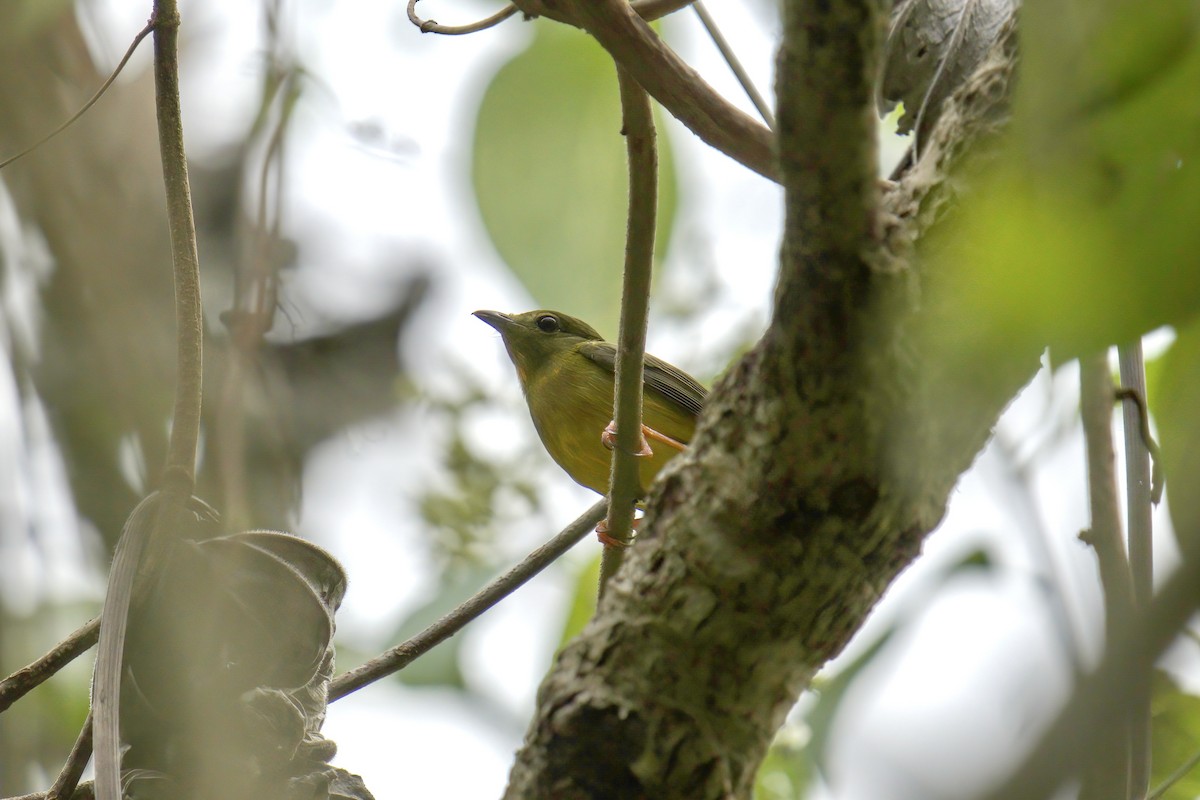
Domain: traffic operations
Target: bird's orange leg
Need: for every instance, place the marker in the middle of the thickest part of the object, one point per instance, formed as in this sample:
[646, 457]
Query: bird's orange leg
[662, 437]
[609, 438]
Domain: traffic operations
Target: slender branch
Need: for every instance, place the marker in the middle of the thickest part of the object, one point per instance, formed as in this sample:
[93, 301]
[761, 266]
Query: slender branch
[430, 26]
[24, 680]
[735, 65]
[142, 34]
[1140, 534]
[72, 771]
[405, 653]
[635, 46]
[1107, 775]
[1105, 532]
[146, 534]
[642, 158]
[185, 424]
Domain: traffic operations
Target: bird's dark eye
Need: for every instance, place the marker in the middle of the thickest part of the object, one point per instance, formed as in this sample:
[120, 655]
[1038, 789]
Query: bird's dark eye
[547, 323]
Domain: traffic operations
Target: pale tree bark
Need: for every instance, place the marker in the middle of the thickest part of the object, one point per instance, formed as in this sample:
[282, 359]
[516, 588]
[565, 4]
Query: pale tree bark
[825, 456]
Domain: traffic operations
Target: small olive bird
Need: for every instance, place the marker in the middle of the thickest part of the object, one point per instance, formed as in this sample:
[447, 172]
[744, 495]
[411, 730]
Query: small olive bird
[568, 374]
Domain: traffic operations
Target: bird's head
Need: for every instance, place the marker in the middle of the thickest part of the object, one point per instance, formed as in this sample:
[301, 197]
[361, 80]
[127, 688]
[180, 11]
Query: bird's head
[533, 339]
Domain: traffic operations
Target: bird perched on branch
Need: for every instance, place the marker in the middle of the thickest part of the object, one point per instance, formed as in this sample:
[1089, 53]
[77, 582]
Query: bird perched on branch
[568, 374]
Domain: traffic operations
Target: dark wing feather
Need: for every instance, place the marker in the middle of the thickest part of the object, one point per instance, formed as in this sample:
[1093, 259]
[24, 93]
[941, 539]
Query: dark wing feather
[658, 376]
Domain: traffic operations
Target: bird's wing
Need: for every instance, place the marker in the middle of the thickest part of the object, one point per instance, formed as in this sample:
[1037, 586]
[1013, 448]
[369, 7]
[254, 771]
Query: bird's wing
[659, 376]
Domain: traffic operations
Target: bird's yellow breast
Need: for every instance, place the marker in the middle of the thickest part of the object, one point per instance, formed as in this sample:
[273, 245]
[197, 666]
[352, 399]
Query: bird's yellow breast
[571, 408]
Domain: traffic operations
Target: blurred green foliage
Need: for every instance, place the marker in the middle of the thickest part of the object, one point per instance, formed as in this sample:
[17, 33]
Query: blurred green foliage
[785, 773]
[1175, 723]
[1081, 230]
[550, 175]
[1174, 398]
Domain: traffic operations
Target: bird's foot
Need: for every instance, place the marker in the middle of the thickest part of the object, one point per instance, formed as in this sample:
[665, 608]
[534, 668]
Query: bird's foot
[610, 541]
[609, 439]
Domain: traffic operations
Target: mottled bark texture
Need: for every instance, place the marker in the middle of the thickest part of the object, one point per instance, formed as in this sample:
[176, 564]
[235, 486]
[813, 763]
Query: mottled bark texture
[817, 471]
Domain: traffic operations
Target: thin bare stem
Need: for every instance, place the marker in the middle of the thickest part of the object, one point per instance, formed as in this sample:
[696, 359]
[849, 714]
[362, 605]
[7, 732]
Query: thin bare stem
[735, 65]
[24, 680]
[642, 158]
[185, 424]
[142, 34]
[1105, 532]
[405, 653]
[430, 26]
[1107, 776]
[1138, 492]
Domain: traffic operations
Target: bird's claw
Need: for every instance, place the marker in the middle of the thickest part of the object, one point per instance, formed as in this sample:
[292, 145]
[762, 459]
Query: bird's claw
[609, 439]
[605, 539]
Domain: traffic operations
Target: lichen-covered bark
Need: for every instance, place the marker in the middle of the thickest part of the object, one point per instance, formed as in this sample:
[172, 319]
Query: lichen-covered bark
[813, 479]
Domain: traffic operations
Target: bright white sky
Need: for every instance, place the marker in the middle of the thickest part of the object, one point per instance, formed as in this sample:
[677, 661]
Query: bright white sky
[974, 668]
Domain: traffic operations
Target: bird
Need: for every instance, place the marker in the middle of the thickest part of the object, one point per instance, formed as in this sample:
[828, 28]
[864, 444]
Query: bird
[568, 373]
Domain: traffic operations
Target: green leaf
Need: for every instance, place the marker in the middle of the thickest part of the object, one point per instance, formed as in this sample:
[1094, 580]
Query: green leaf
[1175, 721]
[1082, 232]
[549, 174]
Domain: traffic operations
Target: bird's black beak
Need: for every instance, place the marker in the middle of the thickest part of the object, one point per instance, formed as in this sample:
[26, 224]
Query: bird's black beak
[499, 321]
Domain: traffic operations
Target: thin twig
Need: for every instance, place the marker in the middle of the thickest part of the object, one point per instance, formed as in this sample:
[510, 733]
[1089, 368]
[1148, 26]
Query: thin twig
[1110, 771]
[642, 157]
[72, 771]
[142, 34]
[147, 534]
[405, 653]
[1105, 532]
[430, 26]
[714, 32]
[24, 680]
[1140, 533]
[185, 422]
